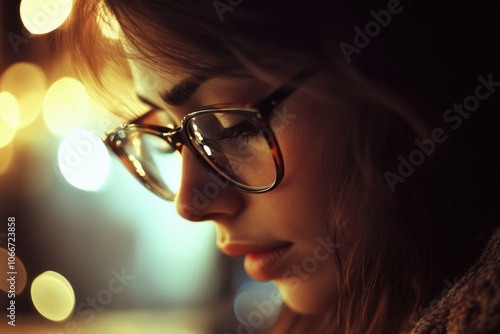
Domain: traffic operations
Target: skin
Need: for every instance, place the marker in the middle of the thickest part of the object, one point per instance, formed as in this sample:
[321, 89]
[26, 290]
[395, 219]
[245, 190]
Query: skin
[295, 211]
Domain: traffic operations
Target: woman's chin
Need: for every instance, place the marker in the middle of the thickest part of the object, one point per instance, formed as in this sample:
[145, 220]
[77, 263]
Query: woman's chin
[306, 299]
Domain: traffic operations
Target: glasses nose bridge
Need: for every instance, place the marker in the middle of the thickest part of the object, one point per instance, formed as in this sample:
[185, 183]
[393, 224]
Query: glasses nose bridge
[175, 139]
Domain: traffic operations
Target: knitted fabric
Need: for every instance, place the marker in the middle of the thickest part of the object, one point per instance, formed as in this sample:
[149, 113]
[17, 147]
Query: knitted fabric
[473, 304]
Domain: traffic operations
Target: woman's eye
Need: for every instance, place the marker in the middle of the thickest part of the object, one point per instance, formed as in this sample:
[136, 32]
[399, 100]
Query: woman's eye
[243, 130]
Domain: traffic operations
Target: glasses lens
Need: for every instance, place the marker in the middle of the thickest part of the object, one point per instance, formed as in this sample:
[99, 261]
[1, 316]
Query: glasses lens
[234, 145]
[153, 160]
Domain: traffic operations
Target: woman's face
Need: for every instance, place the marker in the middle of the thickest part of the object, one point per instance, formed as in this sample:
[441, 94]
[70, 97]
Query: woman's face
[281, 233]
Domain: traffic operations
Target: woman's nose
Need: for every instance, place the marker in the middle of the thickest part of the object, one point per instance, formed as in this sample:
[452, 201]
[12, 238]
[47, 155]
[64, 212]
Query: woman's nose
[203, 195]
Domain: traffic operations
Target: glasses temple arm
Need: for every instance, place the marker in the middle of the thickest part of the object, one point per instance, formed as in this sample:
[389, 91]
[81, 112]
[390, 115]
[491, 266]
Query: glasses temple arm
[286, 90]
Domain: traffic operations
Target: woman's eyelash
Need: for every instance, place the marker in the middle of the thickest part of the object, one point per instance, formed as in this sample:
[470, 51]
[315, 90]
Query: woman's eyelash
[243, 130]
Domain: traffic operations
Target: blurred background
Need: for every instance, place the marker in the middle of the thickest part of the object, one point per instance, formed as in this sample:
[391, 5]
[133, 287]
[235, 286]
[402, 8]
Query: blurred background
[133, 264]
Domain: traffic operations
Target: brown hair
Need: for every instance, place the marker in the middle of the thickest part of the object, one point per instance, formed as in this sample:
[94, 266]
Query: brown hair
[403, 80]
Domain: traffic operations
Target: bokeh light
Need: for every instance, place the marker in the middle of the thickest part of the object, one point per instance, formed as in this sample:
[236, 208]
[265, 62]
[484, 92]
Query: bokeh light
[84, 160]
[5, 158]
[20, 276]
[66, 106]
[27, 83]
[9, 118]
[257, 304]
[107, 22]
[9, 109]
[7, 133]
[53, 296]
[43, 16]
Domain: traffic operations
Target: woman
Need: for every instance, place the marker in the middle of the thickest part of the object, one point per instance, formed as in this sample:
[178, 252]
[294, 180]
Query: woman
[349, 151]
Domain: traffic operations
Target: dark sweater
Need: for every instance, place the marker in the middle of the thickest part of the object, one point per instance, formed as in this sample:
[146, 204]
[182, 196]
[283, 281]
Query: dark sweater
[473, 304]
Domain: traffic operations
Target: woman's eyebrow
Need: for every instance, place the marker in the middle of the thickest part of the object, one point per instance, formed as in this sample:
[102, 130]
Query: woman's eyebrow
[183, 91]
[147, 101]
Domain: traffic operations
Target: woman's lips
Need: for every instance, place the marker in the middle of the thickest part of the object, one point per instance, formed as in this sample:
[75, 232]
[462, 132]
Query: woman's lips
[266, 265]
[263, 260]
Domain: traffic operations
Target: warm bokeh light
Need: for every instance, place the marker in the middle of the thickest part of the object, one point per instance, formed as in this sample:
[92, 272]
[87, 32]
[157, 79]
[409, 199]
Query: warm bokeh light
[53, 296]
[7, 133]
[43, 16]
[9, 118]
[9, 109]
[5, 158]
[107, 22]
[19, 269]
[66, 106]
[27, 83]
[84, 160]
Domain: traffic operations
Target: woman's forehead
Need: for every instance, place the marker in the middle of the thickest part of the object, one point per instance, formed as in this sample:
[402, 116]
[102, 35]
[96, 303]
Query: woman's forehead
[149, 83]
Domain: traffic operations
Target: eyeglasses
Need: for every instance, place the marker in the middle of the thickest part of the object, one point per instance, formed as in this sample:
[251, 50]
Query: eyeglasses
[234, 142]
